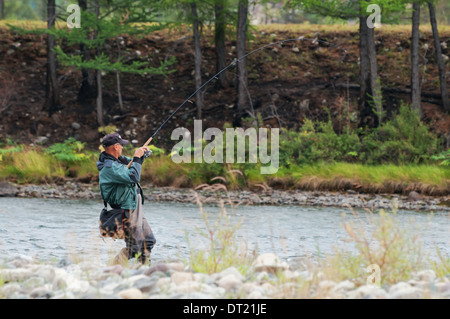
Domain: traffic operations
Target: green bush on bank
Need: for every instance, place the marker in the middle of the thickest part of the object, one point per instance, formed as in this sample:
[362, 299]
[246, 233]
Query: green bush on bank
[402, 140]
[317, 142]
[34, 164]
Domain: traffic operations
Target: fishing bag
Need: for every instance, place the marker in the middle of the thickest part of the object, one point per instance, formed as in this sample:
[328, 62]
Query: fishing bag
[113, 223]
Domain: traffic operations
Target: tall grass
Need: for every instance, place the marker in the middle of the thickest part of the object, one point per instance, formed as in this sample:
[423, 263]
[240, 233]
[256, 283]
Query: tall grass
[428, 174]
[431, 179]
[222, 249]
[397, 251]
[30, 166]
[26, 164]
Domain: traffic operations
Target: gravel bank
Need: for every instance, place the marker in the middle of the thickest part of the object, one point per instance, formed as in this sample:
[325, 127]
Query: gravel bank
[273, 197]
[24, 278]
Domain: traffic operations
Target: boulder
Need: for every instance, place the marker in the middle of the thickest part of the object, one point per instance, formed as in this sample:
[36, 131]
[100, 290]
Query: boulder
[425, 275]
[131, 293]
[75, 125]
[231, 271]
[414, 196]
[403, 290]
[229, 282]
[367, 292]
[269, 262]
[8, 190]
[180, 277]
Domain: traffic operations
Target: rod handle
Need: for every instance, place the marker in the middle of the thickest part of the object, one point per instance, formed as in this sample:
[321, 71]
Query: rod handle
[146, 143]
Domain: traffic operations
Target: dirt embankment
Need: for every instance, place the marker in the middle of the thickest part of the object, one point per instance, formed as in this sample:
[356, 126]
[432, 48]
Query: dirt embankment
[287, 84]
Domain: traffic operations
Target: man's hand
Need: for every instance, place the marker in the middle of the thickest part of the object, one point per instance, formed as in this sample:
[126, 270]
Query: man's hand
[141, 151]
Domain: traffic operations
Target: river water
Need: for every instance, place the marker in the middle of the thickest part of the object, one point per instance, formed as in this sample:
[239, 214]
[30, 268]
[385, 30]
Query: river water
[53, 229]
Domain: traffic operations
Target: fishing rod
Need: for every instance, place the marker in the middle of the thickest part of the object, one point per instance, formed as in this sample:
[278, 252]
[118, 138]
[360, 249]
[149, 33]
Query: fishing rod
[300, 38]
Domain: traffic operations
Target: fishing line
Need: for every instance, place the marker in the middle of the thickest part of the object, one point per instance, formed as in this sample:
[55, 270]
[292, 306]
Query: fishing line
[301, 38]
[235, 62]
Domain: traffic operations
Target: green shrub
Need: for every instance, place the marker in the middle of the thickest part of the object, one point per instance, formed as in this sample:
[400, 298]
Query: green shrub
[403, 139]
[69, 151]
[316, 142]
[443, 158]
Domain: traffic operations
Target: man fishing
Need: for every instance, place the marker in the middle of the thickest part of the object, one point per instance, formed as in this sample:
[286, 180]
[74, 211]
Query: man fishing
[119, 180]
[119, 187]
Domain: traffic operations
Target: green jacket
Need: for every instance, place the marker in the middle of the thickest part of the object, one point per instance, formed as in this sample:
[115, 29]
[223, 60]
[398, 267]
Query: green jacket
[118, 184]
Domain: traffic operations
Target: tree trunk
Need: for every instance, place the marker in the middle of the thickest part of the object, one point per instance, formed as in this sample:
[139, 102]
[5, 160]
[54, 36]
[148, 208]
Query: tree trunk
[198, 60]
[52, 92]
[88, 89]
[99, 100]
[242, 65]
[374, 80]
[366, 115]
[2, 9]
[219, 39]
[119, 90]
[440, 61]
[415, 82]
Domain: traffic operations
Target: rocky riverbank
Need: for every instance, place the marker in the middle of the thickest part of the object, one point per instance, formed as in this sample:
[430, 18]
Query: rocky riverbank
[24, 278]
[211, 194]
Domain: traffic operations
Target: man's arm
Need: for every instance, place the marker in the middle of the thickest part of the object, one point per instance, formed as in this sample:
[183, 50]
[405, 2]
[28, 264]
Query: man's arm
[122, 174]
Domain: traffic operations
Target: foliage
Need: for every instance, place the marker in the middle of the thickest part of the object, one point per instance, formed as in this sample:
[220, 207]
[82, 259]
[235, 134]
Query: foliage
[403, 139]
[345, 10]
[15, 149]
[375, 174]
[443, 158]
[69, 151]
[317, 142]
[103, 63]
[199, 173]
[396, 250]
[107, 129]
[105, 28]
[31, 166]
[442, 266]
[156, 150]
[223, 250]
[24, 9]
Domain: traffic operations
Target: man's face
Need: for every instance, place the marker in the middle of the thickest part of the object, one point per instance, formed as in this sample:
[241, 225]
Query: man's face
[119, 148]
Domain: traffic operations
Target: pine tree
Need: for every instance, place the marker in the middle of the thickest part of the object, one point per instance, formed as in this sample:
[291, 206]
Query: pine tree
[105, 24]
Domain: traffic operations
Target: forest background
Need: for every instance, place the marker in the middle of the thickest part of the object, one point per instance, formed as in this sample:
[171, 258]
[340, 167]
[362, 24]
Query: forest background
[359, 108]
